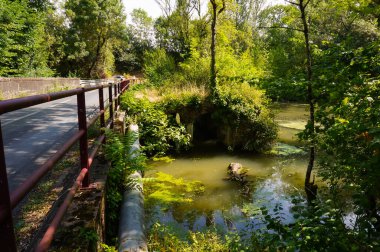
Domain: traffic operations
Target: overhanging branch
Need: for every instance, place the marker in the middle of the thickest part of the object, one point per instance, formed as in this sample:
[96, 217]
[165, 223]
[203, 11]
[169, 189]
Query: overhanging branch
[280, 27]
[292, 2]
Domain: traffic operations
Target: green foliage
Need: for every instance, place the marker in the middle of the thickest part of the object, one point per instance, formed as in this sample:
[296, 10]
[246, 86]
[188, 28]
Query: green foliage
[158, 134]
[158, 66]
[319, 227]
[239, 106]
[88, 235]
[165, 238]
[107, 248]
[124, 161]
[279, 89]
[94, 26]
[194, 70]
[23, 49]
[182, 100]
[137, 41]
[350, 139]
[348, 101]
[172, 30]
[244, 109]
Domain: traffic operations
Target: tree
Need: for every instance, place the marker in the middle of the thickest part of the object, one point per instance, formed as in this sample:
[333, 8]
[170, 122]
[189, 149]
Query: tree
[138, 39]
[23, 50]
[346, 70]
[173, 30]
[283, 41]
[166, 6]
[94, 25]
[310, 187]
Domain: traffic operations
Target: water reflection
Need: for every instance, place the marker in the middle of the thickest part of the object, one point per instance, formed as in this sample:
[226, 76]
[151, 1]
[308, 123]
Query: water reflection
[273, 182]
[273, 179]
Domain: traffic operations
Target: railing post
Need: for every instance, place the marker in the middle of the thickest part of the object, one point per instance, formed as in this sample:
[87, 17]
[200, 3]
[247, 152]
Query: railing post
[7, 236]
[119, 92]
[111, 105]
[115, 93]
[83, 143]
[101, 108]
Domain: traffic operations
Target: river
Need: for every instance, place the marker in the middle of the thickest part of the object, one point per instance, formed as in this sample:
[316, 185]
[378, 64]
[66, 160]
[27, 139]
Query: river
[274, 178]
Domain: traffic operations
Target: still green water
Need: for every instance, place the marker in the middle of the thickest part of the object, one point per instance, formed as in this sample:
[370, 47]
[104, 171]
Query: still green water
[273, 179]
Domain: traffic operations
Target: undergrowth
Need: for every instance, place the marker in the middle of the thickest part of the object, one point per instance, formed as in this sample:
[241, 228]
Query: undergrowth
[125, 160]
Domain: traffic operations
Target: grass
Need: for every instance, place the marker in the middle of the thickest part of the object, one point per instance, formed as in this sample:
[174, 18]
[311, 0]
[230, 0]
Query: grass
[57, 87]
[174, 92]
[40, 201]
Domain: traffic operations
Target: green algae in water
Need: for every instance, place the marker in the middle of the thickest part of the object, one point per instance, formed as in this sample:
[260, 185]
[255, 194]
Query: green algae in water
[283, 149]
[291, 119]
[164, 189]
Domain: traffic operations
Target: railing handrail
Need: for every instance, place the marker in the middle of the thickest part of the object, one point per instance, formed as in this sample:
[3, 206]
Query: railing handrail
[28, 101]
[10, 200]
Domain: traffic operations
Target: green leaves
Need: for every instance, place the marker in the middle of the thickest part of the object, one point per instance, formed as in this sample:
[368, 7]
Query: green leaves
[158, 134]
[91, 37]
[23, 47]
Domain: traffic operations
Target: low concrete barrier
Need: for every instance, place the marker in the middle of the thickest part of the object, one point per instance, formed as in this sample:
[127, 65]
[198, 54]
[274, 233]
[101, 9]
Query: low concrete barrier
[131, 227]
[16, 87]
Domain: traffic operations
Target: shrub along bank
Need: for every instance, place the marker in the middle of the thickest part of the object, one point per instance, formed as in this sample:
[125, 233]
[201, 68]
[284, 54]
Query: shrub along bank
[238, 116]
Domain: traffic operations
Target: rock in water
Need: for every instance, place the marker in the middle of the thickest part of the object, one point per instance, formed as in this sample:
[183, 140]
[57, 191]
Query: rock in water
[236, 172]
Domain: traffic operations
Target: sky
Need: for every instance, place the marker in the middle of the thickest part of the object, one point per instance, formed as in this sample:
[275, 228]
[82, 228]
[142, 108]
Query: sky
[149, 6]
[154, 10]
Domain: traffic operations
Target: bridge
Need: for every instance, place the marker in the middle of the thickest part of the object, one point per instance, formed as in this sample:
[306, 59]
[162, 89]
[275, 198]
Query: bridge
[23, 159]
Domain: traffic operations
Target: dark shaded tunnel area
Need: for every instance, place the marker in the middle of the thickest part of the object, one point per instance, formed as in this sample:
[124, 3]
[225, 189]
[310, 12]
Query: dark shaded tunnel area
[205, 129]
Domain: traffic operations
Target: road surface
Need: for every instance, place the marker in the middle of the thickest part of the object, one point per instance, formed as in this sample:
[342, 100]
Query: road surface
[33, 134]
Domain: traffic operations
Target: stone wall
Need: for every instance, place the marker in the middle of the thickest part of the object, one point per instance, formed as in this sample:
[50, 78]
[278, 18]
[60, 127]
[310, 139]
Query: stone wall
[18, 87]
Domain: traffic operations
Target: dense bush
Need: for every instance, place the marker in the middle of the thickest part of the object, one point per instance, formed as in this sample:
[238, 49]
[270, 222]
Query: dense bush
[158, 133]
[158, 66]
[244, 108]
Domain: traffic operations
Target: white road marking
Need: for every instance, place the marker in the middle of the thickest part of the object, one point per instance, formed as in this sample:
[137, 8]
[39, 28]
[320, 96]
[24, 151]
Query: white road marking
[17, 119]
[25, 116]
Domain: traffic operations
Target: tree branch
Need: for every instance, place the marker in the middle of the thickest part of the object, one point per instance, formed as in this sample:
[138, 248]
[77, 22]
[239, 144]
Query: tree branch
[292, 2]
[280, 27]
[308, 1]
[222, 9]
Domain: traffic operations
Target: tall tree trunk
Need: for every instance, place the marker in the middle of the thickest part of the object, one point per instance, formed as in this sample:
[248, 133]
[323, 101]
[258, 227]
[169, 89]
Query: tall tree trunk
[213, 34]
[215, 13]
[310, 187]
[100, 44]
[372, 209]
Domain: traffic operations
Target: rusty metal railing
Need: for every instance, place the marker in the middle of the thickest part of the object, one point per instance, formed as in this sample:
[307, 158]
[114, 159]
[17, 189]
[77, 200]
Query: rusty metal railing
[9, 200]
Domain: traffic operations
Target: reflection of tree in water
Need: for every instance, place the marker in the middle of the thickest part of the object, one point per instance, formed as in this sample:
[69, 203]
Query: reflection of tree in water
[209, 218]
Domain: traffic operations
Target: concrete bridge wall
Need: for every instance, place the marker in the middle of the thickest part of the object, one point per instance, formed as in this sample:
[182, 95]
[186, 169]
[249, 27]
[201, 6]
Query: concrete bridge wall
[18, 87]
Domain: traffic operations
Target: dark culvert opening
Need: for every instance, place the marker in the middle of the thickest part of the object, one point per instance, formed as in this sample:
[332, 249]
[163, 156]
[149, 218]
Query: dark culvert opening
[205, 129]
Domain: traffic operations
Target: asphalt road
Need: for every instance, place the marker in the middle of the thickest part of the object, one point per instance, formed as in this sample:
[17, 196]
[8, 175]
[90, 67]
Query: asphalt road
[33, 134]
